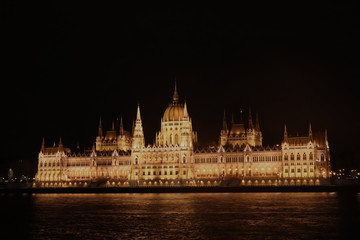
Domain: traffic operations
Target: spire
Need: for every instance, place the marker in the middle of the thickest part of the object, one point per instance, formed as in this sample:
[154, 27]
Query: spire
[224, 128]
[257, 124]
[251, 125]
[100, 131]
[43, 145]
[60, 143]
[133, 128]
[138, 140]
[186, 114]
[93, 147]
[176, 95]
[241, 116]
[285, 133]
[138, 117]
[326, 138]
[310, 131]
[121, 127]
[113, 126]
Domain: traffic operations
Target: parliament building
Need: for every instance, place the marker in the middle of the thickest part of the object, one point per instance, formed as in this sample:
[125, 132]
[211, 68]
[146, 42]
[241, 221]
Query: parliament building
[120, 158]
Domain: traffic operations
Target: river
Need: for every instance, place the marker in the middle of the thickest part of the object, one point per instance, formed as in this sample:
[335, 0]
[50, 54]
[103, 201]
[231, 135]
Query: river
[181, 216]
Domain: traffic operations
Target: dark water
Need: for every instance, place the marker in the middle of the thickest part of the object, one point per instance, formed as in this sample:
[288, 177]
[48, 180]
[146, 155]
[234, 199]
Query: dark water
[181, 216]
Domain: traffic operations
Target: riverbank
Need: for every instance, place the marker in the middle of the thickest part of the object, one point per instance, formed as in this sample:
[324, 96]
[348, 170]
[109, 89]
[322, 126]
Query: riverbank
[195, 189]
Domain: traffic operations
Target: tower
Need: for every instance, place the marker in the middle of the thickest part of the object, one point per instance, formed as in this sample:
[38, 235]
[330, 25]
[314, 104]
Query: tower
[99, 137]
[258, 134]
[250, 133]
[186, 130]
[138, 140]
[224, 132]
[121, 129]
[285, 134]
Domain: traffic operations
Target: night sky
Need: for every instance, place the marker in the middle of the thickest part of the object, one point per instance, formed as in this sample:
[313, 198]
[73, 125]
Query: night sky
[65, 65]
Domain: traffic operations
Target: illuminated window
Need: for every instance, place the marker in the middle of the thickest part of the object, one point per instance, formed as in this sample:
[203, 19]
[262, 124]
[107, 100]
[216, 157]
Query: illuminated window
[292, 170]
[298, 156]
[311, 156]
[292, 156]
[286, 157]
[298, 170]
[304, 156]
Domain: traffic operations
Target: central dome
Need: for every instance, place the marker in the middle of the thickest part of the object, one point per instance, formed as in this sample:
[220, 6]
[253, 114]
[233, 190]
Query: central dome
[175, 111]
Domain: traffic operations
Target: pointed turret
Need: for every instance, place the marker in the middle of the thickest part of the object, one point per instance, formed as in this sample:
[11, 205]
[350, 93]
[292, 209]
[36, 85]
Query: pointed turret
[176, 95]
[60, 143]
[133, 128]
[43, 145]
[121, 129]
[251, 125]
[93, 147]
[100, 131]
[310, 131]
[285, 133]
[138, 134]
[138, 116]
[224, 128]
[257, 124]
[326, 137]
[186, 114]
[224, 131]
[113, 126]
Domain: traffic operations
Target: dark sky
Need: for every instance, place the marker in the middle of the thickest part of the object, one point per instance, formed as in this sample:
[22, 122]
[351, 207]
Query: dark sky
[68, 64]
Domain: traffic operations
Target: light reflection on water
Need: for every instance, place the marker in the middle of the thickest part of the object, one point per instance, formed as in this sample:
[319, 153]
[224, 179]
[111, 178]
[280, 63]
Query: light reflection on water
[182, 216]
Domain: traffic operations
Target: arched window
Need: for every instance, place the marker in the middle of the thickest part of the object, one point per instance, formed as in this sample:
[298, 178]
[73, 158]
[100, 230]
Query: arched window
[136, 161]
[176, 139]
[322, 157]
[298, 156]
[171, 139]
[292, 156]
[311, 156]
[304, 156]
[286, 157]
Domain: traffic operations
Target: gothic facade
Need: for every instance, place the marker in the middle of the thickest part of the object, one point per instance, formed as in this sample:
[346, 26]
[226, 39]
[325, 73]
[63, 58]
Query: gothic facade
[120, 158]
